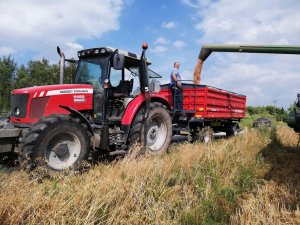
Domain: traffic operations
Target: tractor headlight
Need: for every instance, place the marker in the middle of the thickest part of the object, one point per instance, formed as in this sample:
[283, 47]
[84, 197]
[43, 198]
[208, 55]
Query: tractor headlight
[17, 111]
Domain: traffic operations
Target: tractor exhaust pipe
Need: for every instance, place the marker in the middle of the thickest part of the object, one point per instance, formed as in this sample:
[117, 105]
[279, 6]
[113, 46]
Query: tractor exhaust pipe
[61, 65]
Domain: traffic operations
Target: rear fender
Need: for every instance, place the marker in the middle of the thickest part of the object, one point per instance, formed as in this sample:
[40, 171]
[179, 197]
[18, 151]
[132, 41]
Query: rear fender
[133, 107]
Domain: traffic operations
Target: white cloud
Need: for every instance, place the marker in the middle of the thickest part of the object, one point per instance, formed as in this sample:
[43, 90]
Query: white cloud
[186, 75]
[36, 25]
[190, 3]
[162, 45]
[71, 49]
[179, 44]
[6, 51]
[269, 21]
[160, 49]
[196, 3]
[74, 45]
[161, 40]
[169, 25]
[262, 78]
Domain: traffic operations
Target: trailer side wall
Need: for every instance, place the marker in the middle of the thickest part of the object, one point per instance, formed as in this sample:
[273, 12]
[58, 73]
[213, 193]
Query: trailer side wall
[209, 102]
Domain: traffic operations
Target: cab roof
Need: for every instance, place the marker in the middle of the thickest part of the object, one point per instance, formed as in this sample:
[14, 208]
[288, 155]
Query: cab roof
[107, 51]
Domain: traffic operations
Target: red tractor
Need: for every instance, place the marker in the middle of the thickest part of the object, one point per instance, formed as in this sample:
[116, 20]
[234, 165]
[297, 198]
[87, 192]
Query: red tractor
[62, 125]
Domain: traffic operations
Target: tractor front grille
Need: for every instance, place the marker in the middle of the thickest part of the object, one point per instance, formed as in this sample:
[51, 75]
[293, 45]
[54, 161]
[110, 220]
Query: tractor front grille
[19, 102]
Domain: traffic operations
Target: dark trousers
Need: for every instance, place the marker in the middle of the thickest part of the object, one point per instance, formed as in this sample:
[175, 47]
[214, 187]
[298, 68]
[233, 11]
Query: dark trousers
[177, 97]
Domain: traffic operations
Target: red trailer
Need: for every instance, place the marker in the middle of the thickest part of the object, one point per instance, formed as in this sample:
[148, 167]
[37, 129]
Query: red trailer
[207, 106]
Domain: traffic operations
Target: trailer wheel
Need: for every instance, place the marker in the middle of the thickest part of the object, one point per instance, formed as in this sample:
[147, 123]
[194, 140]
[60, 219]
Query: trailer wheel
[155, 132]
[204, 135]
[58, 141]
[232, 130]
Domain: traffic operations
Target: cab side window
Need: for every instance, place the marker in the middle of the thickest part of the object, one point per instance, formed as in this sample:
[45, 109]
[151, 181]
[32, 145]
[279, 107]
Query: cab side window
[115, 77]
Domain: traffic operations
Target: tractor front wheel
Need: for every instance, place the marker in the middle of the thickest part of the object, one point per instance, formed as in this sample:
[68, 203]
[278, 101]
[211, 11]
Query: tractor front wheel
[58, 141]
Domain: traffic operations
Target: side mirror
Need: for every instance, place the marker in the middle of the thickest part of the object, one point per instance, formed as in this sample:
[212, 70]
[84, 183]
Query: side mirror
[119, 61]
[58, 50]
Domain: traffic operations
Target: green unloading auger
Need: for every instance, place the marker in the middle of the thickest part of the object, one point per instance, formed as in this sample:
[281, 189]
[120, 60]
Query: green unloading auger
[206, 50]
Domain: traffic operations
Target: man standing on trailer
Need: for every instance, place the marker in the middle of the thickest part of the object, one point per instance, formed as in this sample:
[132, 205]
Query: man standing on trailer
[175, 85]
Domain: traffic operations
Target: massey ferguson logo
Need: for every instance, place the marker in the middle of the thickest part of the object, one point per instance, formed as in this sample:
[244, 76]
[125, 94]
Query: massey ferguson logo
[70, 91]
[80, 91]
[73, 91]
[66, 91]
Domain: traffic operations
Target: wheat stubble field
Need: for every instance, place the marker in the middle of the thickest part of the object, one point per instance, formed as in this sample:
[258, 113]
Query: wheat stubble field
[253, 178]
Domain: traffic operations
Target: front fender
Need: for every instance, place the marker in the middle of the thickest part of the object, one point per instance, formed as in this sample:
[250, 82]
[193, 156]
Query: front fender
[81, 117]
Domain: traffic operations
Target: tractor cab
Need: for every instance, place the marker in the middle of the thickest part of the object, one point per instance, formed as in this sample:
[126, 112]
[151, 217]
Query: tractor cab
[116, 77]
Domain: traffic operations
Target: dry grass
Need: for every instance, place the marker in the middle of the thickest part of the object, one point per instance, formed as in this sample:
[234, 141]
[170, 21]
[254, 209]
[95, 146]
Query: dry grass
[277, 199]
[268, 204]
[218, 183]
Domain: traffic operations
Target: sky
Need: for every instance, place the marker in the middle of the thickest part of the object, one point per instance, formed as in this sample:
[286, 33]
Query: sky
[175, 31]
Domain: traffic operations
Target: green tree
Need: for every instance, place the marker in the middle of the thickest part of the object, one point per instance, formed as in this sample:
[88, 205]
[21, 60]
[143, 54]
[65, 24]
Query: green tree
[35, 73]
[7, 74]
[272, 109]
[22, 79]
[255, 110]
[70, 70]
[279, 114]
[41, 73]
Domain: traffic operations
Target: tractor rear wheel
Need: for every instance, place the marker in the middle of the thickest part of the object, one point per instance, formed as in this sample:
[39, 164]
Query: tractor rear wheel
[58, 141]
[155, 132]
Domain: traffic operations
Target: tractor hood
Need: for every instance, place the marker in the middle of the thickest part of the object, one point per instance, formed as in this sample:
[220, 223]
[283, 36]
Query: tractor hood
[28, 105]
[50, 90]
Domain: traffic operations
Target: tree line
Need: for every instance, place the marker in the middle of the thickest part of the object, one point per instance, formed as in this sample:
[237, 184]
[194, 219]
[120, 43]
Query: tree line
[34, 73]
[279, 114]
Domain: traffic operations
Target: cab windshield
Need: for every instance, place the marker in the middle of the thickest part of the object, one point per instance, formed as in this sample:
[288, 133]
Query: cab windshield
[92, 71]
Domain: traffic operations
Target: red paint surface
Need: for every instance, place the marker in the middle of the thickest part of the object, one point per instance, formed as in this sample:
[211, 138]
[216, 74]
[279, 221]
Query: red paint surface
[210, 102]
[54, 101]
